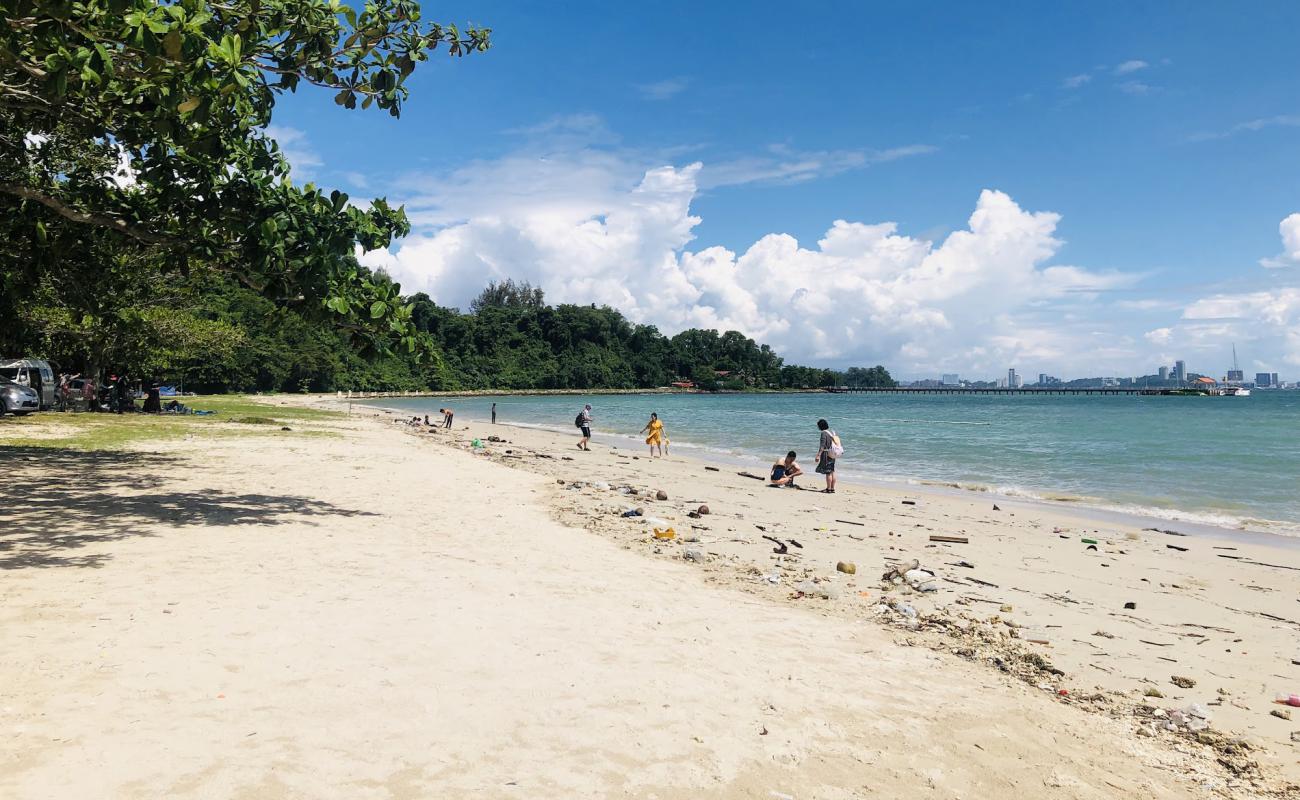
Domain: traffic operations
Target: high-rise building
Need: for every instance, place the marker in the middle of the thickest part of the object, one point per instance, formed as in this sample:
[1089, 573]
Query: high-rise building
[1013, 380]
[1236, 376]
[1180, 371]
[1164, 373]
[951, 379]
[1042, 379]
[1275, 383]
[1263, 379]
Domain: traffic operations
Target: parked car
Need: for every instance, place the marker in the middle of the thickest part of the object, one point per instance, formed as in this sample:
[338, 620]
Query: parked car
[17, 399]
[34, 374]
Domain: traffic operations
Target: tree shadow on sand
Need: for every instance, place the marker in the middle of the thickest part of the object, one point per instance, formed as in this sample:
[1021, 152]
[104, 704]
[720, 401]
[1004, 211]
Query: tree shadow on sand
[55, 501]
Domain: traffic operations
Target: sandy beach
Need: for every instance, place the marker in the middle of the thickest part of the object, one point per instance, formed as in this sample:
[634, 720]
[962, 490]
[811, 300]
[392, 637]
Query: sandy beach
[363, 609]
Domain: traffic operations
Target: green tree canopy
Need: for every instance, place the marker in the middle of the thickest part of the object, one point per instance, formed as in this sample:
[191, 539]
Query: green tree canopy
[146, 121]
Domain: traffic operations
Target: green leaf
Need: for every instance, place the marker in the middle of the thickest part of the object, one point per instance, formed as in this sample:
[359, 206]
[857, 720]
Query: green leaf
[41, 235]
[377, 309]
[189, 105]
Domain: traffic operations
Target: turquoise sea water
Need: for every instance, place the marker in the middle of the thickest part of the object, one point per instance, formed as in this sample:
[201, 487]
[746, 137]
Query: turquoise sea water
[1231, 461]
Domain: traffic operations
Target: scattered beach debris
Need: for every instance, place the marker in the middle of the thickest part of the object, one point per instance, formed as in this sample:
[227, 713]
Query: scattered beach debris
[851, 522]
[702, 510]
[665, 534]
[1176, 547]
[1280, 713]
[711, 469]
[847, 567]
[661, 495]
[1288, 700]
[1130, 606]
[817, 588]
[745, 474]
[1182, 682]
[1194, 717]
[633, 512]
[995, 507]
[1088, 541]
[1165, 531]
[780, 548]
[1153, 692]
[909, 502]
[950, 539]
[795, 543]
[693, 554]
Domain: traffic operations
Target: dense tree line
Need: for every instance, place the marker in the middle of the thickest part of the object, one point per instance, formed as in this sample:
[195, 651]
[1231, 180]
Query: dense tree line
[215, 335]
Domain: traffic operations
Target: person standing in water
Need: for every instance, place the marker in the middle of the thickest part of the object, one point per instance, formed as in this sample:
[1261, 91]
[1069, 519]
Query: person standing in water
[494, 413]
[584, 424]
[657, 437]
[828, 449]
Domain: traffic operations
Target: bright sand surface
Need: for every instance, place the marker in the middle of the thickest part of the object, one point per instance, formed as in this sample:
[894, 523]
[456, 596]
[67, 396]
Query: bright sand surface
[382, 614]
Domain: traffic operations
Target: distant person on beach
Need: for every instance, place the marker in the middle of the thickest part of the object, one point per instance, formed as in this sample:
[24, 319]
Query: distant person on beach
[785, 471]
[447, 415]
[828, 449]
[153, 399]
[427, 423]
[494, 413]
[90, 394]
[656, 430]
[583, 422]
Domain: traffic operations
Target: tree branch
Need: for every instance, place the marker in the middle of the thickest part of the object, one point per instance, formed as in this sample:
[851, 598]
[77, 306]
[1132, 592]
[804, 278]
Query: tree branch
[84, 217]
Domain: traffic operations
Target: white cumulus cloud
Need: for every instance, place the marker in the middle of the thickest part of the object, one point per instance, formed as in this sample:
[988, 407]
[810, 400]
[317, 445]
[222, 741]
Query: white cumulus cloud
[1269, 319]
[590, 228]
[1289, 228]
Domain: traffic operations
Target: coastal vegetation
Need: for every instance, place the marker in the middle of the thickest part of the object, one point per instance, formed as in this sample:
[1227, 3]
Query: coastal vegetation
[136, 159]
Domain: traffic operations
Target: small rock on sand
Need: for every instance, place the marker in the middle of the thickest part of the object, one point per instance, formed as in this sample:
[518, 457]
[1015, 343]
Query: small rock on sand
[661, 495]
[847, 567]
[1181, 682]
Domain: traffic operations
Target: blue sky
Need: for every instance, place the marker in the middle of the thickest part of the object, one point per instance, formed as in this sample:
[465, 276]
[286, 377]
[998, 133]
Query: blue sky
[1133, 164]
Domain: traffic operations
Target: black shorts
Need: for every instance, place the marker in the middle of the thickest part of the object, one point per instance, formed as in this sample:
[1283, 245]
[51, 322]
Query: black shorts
[586, 432]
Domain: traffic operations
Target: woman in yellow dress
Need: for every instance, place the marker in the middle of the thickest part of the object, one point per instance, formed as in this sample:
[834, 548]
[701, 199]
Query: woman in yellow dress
[657, 437]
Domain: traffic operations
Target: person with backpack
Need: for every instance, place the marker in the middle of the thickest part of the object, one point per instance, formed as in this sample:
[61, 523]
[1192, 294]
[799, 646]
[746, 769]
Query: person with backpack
[583, 423]
[828, 450]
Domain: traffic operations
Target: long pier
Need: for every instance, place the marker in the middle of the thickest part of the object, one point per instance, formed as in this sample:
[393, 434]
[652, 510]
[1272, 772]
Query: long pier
[1111, 390]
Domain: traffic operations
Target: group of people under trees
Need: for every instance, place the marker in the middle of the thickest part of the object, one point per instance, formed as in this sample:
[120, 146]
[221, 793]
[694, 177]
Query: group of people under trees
[114, 395]
[783, 473]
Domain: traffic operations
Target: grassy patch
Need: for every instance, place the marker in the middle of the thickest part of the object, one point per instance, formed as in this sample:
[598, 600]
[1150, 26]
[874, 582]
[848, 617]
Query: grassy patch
[114, 432]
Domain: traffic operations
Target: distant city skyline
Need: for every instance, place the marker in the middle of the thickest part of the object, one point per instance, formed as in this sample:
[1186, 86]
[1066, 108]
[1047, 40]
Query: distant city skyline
[1178, 373]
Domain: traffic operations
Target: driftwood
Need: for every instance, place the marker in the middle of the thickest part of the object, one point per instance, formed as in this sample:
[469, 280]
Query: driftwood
[744, 474]
[1176, 547]
[851, 522]
[1166, 532]
[949, 539]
